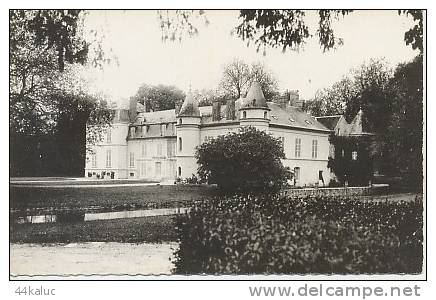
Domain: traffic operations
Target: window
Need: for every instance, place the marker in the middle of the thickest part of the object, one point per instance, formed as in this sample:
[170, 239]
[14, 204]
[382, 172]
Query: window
[159, 149]
[314, 148]
[264, 115]
[144, 149]
[180, 171]
[282, 139]
[132, 159]
[109, 136]
[171, 148]
[180, 144]
[244, 115]
[180, 121]
[354, 155]
[297, 147]
[94, 160]
[108, 157]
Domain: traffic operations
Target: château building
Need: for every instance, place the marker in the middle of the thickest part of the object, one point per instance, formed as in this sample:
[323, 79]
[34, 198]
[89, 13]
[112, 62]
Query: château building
[160, 145]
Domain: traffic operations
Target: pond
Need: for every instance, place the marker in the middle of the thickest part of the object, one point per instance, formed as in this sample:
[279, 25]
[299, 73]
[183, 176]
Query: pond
[75, 217]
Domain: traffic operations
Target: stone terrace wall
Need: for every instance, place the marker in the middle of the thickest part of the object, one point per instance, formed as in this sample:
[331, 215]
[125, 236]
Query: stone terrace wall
[376, 189]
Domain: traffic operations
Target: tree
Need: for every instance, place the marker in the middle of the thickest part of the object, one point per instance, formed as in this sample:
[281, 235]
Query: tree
[404, 136]
[159, 97]
[266, 80]
[331, 101]
[285, 29]
[369, 91]
[245, 162]
[46, 94]
[238, 77]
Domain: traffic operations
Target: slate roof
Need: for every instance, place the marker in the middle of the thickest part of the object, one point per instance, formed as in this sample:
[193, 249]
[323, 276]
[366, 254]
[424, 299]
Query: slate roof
[329, 121]
[290, 116]
[189, 107]
[255, 97]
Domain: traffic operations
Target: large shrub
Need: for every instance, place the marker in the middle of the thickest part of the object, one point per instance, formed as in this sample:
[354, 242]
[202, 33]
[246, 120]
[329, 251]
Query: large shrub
[248, 235]
[248, 161]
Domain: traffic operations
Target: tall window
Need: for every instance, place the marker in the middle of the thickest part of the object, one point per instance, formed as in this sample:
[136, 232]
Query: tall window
[132, 159]
[171, 148]
[180, 144]
[282, 139]
[297, 147]
[94, 160]
[264, 115]
[244, 115]
[144, 149]
[109, 136]
[108, 157]
[314, 148]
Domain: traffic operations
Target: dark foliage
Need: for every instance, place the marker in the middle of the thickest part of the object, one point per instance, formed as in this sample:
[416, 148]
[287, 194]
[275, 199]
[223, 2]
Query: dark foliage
[245, 162]
[250, 235]
[357, 171]
[404, 135]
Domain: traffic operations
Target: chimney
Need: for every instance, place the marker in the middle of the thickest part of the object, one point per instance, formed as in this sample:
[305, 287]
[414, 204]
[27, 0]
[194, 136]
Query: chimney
[294, 99]
[216, 111]
[132, 109]
[230, 110]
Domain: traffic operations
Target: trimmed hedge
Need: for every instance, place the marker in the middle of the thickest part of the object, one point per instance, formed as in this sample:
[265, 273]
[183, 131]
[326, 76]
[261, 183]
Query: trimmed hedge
[301, 235]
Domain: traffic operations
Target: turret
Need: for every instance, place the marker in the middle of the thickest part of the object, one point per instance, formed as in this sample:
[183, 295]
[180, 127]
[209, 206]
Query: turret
[254, 111]
[188, 136]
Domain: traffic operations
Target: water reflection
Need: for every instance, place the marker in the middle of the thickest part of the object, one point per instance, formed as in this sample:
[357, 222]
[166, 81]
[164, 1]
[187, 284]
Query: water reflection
[76, 217]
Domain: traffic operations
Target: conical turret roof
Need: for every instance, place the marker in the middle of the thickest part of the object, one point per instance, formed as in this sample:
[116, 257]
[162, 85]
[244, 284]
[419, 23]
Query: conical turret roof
[189, 107]
[255, 97]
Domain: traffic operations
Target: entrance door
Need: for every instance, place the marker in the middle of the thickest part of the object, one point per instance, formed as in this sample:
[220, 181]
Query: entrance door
[297, 176]
[158, 170]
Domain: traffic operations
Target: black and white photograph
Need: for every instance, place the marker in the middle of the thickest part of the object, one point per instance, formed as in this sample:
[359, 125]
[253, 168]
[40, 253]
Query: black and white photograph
[201, 144]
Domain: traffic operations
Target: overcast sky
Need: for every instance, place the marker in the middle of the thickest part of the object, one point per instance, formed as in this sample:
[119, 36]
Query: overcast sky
[135, 38]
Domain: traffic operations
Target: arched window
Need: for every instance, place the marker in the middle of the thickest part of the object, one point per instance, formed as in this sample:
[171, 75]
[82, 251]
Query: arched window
[244, 114]
[264, 115]
[180, 144]
[180, 171]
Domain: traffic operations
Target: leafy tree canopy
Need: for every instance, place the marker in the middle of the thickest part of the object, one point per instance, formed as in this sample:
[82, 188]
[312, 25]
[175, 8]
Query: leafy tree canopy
[285, 29]
[159, 97]
[243, 162]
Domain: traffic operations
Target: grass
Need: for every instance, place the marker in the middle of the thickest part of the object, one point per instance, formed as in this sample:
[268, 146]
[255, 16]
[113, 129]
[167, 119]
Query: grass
[109, 198]
[134, 230]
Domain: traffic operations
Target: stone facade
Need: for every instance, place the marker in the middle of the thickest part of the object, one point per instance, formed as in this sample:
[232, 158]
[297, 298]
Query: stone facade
[160, 146]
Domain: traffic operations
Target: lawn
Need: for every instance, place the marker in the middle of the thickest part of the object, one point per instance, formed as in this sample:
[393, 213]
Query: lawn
[133, 230]
[43, 199]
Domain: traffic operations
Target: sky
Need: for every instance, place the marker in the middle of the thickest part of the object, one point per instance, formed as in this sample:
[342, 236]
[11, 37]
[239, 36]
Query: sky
[135, 39]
